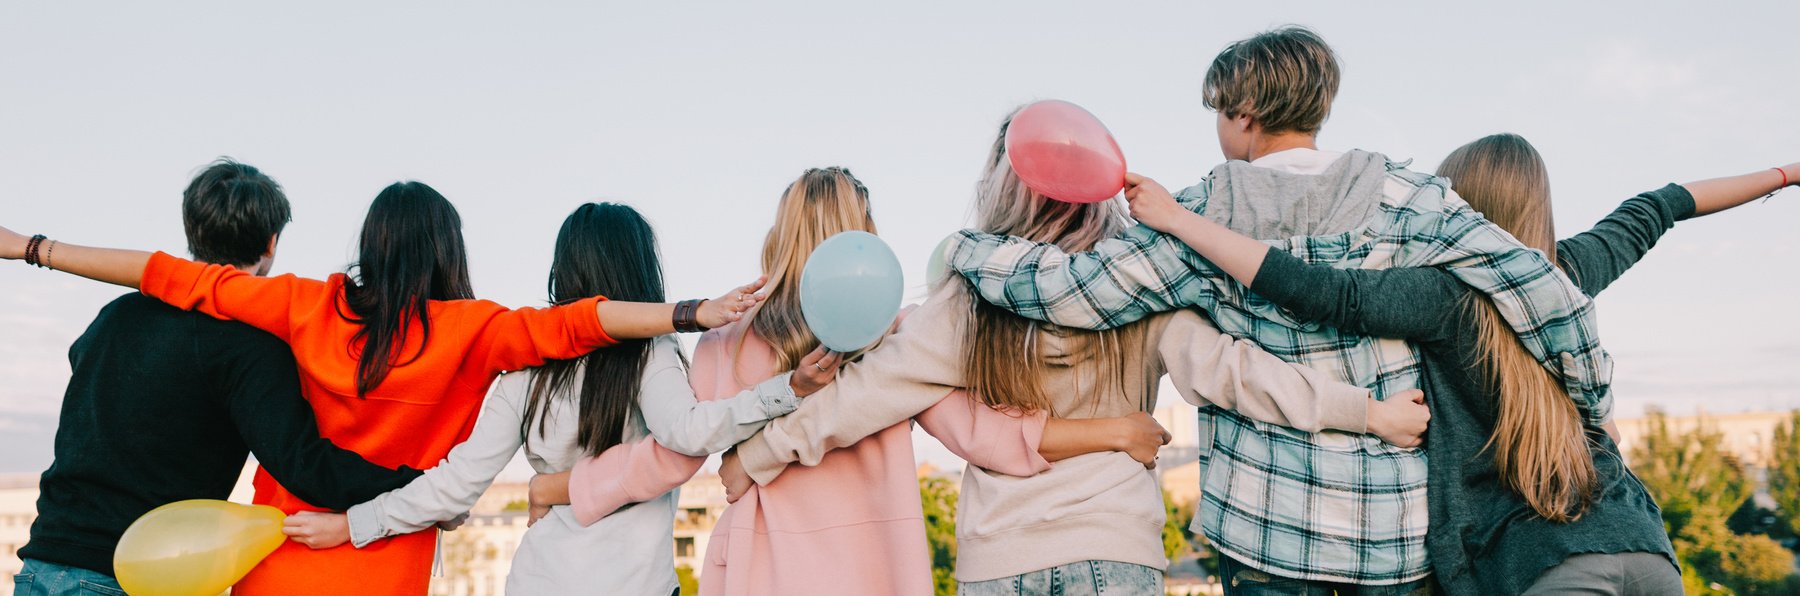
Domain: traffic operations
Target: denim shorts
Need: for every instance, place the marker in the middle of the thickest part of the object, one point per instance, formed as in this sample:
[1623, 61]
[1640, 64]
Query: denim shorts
[49, 579]
[1086, 578]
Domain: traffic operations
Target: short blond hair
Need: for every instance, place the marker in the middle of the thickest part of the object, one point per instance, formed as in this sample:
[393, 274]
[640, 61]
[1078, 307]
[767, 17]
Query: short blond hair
[1285, 79]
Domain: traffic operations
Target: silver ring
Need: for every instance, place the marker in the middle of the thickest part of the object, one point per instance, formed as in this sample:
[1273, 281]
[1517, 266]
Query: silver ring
[821, 368]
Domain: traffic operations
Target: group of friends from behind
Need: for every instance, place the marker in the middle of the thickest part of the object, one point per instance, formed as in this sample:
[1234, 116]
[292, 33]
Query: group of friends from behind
[1321, 308]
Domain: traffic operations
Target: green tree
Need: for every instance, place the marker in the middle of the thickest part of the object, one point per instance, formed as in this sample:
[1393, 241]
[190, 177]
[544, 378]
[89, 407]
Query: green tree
[1784, 471]
[939, 498]
[1699, 485]
[1174, 531]
[684, 575]
[1689, 474]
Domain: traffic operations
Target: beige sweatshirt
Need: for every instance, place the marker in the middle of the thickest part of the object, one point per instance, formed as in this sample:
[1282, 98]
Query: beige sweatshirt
[1101, 506]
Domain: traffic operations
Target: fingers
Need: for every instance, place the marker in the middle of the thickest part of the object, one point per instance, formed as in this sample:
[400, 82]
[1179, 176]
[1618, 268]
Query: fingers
[1134, 178]
[754, 286]
[814, 357]
[1414, 395]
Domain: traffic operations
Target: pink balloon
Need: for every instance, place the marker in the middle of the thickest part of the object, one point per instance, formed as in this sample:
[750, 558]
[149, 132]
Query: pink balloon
[1065, 153]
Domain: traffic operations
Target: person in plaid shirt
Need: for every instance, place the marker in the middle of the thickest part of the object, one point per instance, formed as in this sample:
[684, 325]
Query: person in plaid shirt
[1290, 509]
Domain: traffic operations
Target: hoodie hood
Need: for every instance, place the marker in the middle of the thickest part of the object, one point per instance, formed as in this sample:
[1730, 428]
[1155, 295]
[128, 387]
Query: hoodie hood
[1270, 204]
[1063, 346]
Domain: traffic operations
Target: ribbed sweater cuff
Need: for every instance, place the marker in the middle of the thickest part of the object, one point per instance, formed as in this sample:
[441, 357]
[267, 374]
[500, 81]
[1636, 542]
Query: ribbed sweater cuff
[164, 272]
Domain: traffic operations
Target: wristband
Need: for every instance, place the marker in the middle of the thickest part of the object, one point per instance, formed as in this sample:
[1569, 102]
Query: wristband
[687, 316]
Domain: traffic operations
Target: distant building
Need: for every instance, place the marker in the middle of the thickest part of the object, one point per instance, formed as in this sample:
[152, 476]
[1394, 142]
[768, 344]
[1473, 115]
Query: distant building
[18, 507]
[1746, 436]
[477, 556]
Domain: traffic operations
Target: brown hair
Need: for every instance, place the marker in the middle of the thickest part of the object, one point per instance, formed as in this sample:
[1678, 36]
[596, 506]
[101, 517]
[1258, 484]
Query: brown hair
[1004, 369]
[1540, 447]
[1285, 79]
[821, 203]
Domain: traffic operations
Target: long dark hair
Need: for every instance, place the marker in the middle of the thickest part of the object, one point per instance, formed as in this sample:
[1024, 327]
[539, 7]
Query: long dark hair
[604, 249]
[411, 252]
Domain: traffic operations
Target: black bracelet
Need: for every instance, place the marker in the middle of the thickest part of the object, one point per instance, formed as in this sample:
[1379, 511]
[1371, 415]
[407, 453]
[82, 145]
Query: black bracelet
[687, 316]
[31, 249]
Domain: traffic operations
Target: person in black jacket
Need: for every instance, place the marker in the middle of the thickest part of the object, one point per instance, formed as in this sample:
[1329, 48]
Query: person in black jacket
[163, 405]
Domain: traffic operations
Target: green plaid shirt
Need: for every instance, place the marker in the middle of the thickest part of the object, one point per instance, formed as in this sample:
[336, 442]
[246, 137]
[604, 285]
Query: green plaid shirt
[1318, 506]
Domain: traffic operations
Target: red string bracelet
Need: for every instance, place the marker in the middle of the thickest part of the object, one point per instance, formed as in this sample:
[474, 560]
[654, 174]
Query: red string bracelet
[1784, 179]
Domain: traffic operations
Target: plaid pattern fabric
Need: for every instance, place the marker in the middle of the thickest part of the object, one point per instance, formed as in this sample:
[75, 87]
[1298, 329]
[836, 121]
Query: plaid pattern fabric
[1327, 506]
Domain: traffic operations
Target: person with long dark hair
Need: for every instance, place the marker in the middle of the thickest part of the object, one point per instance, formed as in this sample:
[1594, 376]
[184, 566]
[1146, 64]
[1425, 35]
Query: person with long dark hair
[395, 355]
[573, 408]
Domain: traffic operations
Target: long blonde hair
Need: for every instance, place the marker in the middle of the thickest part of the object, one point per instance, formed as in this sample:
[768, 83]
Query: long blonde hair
[1005, 370]
[1539, 445]
[820, 204]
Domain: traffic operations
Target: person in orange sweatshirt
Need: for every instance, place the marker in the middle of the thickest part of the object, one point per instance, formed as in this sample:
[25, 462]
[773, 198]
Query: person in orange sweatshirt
[395, 356]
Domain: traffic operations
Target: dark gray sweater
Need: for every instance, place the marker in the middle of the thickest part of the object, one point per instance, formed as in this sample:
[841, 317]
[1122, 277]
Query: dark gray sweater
[1483, 538]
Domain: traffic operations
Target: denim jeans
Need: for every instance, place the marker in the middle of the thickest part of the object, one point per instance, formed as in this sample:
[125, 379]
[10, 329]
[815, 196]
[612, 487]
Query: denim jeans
[1086, 578]
[1241, 580]
[49, 579]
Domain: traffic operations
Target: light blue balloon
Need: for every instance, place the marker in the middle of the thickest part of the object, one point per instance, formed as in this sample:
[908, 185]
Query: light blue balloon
[850, 291]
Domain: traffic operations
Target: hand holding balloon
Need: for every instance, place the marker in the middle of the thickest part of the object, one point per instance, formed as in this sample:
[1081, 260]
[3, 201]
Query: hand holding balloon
[317, 530]
[1152, 205]
[816, 370]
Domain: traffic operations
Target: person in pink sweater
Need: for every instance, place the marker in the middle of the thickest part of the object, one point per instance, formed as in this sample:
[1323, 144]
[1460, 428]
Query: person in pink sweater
[854, 519]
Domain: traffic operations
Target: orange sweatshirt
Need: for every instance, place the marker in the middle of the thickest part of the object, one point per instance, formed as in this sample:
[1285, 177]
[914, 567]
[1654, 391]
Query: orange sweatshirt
[426, 405]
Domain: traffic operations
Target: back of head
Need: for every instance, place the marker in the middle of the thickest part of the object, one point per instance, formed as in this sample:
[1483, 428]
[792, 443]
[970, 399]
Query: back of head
[1004, 368]
[1503, 177]
[822, 203]
[230, 212]
[1539, 445]
[411, 252]
[603, 249]
[1285, 79]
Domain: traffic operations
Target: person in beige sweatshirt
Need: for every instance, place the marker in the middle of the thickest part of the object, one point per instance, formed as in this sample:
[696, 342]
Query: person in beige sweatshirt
[1093, 519]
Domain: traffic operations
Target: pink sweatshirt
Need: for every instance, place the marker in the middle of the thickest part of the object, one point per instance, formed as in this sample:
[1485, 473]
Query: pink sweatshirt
[852, 520]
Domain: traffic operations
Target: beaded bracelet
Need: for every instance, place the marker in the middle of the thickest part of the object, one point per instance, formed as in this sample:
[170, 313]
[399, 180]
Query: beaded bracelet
[31, 249]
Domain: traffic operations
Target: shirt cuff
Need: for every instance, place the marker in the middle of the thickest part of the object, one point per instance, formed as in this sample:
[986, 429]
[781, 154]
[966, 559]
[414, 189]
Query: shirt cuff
[1677, 200]
[759, 460]
[1347, 410]
[777, 396]
[365, 523]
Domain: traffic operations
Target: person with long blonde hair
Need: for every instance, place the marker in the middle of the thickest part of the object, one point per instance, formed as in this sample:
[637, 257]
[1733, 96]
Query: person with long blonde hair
[1094, 518]
[853, 521]
[1527, 494]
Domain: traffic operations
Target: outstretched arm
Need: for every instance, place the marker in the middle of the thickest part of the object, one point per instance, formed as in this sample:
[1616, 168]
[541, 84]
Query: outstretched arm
[1718, 194]
[1596, 258]
[111, 265]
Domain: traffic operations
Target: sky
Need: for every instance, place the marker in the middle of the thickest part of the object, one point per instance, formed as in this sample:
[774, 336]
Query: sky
[700, 113]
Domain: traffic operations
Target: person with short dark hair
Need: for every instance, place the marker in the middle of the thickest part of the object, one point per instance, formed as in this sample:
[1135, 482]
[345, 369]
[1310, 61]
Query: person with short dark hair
[163, 405]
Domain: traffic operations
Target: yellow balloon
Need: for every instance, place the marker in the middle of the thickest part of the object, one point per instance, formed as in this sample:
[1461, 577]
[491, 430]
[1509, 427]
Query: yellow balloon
[197, 547]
